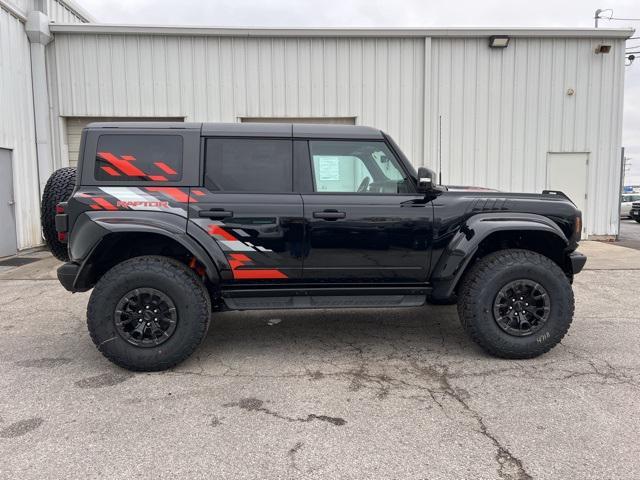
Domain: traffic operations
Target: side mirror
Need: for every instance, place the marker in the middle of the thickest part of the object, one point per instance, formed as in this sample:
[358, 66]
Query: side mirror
[426, 179]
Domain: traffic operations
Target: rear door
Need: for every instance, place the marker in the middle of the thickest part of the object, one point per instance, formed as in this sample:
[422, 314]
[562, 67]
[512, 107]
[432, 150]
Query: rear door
[366, 223]
[248, 207]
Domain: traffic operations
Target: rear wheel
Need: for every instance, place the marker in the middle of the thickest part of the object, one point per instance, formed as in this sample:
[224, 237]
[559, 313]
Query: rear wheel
[148, 313]
[516, 304]
[58, 189]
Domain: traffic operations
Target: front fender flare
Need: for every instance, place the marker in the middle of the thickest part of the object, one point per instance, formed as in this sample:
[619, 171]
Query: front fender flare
[464, 244]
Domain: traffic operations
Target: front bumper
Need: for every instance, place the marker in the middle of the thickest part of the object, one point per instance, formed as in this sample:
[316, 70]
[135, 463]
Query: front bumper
[634, 214]
[67, 274]
[577, 261]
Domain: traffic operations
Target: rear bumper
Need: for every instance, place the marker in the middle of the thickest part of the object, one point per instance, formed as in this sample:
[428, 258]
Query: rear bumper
[577, 261]
[67, 274]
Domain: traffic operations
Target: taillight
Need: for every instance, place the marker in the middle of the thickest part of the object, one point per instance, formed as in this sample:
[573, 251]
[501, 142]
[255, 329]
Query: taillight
[62, 222]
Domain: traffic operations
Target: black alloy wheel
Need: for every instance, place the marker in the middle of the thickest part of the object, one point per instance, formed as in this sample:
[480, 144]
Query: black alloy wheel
[145, 317]
[521, 307]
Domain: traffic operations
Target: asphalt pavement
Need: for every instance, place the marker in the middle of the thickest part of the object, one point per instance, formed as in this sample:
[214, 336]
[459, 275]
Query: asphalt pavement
[352, 394]
[629, 234]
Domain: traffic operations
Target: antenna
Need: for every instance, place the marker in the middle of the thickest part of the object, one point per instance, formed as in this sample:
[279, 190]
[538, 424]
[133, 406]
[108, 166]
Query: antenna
[440, 149]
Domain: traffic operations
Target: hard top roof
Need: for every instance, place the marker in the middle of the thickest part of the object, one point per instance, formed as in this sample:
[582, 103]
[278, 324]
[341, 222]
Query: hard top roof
[296, 130]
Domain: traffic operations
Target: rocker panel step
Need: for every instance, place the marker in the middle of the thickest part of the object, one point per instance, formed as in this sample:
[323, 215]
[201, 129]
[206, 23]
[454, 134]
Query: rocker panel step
[323, 301]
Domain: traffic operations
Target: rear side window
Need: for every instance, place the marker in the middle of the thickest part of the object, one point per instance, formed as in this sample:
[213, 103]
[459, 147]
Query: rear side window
[139, 158]
[249, 165]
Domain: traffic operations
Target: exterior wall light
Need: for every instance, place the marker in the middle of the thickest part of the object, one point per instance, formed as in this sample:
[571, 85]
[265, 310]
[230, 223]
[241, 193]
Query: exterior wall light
[603, 48]
[498, 41]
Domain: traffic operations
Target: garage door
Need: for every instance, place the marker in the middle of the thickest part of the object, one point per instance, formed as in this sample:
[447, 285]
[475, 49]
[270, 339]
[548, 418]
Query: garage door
[76, 124]
[323, 120]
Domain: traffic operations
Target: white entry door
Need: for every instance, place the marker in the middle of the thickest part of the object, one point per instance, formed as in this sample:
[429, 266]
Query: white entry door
[8, 242]
[567, 172]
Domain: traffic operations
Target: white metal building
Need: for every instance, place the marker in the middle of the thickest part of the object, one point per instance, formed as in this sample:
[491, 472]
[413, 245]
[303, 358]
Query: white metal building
[544, 112]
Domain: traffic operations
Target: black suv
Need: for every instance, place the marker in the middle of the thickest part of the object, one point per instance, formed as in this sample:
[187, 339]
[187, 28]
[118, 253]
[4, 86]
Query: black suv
[169, 222]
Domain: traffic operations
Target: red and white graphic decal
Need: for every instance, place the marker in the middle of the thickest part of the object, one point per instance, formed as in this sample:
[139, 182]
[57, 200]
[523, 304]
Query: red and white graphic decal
[124, 165]
[133, 198]
[237, 261]
[175, 193]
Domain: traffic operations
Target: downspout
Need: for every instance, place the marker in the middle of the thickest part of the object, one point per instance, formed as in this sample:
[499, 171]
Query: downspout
[39, 35]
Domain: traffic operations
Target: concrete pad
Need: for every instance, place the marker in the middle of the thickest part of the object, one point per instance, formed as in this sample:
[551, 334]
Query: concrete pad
[609, 256]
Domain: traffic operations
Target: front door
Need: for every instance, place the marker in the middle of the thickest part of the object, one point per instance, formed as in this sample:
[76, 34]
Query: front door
[8, 245]
[248, 207]
[365, 222]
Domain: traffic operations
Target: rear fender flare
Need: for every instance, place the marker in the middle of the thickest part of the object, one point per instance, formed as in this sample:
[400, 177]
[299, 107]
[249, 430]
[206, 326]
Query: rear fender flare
[464, 245]
[91, 229]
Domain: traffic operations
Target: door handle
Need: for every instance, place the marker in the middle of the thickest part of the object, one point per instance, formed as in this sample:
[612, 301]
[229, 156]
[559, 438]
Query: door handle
[215, 213]
[329, 215]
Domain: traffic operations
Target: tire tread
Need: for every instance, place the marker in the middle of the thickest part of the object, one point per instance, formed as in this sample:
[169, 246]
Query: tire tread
[58, 189]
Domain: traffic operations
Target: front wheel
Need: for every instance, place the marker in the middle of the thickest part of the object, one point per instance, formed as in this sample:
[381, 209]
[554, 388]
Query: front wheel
[516, 304]
[148, 313]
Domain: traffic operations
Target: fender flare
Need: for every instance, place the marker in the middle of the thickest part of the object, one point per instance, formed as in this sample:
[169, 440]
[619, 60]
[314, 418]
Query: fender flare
[463, 246]
[91, 229]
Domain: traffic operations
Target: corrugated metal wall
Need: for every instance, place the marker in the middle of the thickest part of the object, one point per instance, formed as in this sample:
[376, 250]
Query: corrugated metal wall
[16, 114]
[221, 79]
[60, 13]
[502, 110]
[17, 126]
[22, 6]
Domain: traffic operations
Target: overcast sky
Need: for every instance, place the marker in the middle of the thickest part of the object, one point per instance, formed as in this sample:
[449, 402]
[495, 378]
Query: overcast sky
[393, 13]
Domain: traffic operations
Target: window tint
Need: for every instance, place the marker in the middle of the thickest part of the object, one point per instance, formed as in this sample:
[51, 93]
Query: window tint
[248, 165]
[150, 158]
[356, 167]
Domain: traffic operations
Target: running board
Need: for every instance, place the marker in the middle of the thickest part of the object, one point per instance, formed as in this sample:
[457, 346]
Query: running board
[324, 301]
[283, 298]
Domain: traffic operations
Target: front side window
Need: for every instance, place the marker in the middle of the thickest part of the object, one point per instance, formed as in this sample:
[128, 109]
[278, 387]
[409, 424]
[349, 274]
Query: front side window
[139, 158]
[356, 167]
[249, 165]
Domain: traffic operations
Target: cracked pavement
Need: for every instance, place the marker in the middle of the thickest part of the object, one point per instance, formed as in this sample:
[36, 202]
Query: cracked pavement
[324, 394]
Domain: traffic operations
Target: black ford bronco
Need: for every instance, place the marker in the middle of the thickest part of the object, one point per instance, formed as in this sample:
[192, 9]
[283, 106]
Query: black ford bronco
[171, 222]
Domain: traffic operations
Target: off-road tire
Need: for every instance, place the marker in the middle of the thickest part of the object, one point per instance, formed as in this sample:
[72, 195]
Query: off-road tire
[58, 189]
[174, 279]
[483, 282]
